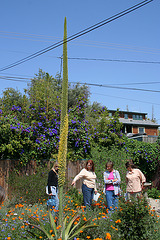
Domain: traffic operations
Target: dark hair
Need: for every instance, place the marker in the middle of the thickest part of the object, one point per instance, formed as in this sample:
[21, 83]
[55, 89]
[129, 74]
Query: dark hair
[129, 163]
[109, 163]
[2, 194]
[92, 163]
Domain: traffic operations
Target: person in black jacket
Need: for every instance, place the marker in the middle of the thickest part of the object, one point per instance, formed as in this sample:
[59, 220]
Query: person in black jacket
[53, 184]
[2, 194]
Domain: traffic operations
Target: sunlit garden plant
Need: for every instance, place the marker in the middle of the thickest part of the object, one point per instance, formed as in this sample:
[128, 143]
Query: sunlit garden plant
[70, 227]
[15, 222]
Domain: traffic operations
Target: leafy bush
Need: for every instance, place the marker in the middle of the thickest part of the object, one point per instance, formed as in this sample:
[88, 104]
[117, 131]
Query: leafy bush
[136, 221]
[153, 193]
[29, 188]
[101, 155]
[145, 155]
[77, 197]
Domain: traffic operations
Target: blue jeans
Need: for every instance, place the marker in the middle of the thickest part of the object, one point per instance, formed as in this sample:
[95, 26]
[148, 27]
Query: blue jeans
[111, 199]
[56, 200]
[87, 195]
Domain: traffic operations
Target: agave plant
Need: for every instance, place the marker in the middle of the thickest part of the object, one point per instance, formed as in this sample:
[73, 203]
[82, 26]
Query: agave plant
[68, 229]
[62, 151]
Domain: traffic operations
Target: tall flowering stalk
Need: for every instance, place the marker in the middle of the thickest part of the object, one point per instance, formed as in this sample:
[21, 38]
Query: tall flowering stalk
[62, 152]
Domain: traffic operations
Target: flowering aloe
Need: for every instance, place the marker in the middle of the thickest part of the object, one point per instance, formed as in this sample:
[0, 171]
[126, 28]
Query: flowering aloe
[62, 152]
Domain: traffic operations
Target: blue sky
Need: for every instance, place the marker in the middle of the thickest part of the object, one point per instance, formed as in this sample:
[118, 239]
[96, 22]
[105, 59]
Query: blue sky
[31, 25]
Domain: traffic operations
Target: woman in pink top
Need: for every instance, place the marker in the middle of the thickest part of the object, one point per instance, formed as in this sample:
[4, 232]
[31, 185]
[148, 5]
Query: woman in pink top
[135, 180]
[112, 185]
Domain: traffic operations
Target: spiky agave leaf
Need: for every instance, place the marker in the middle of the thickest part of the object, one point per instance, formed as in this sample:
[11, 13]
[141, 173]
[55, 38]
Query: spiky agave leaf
[67, 230]
[40, 227]
[82, 228]
[53, 225]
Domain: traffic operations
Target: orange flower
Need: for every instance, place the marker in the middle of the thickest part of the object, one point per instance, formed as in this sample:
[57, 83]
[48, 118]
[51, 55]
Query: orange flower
[58, 227]
[88, 237]
[97, 239]
[118, 221]
[108, 236]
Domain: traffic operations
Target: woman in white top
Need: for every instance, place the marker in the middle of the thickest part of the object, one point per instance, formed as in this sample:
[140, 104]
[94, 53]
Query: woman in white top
[89, 182]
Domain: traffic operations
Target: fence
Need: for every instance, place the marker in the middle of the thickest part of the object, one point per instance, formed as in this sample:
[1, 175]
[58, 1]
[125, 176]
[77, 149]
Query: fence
[72, 169]
[6, 166]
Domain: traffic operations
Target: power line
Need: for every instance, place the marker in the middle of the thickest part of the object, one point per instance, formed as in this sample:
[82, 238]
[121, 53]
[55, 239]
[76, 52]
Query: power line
[25, 79]
[81, 33]
[14, 79]
[123, 88]
[89, 43]
[125, 98]
[112, 60]
[138, 83]
[103, 45]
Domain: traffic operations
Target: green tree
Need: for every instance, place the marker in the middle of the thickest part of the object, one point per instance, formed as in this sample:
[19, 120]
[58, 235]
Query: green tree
[44, 92]
[75, 92]
[11, 98]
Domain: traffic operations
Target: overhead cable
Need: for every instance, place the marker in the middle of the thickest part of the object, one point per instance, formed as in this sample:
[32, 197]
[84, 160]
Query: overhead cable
[81, 33]
[111, 60]
[124, 88]
[22, 79]
[135, 100]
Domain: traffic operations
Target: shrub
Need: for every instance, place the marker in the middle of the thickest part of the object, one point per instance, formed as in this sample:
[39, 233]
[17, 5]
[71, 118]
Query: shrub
[135, 220]
[29, 188]
[153, 193]
[77, 197]
[101, 155]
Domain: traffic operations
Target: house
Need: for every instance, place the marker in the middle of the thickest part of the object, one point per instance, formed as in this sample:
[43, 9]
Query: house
[136, 125]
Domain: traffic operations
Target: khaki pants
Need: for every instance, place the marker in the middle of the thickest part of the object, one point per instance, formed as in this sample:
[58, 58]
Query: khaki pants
[133, 195]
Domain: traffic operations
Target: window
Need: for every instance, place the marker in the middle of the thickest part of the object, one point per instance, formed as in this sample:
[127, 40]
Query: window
[141, 129]
[137, 117]
[126, 116]
[110, 114]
